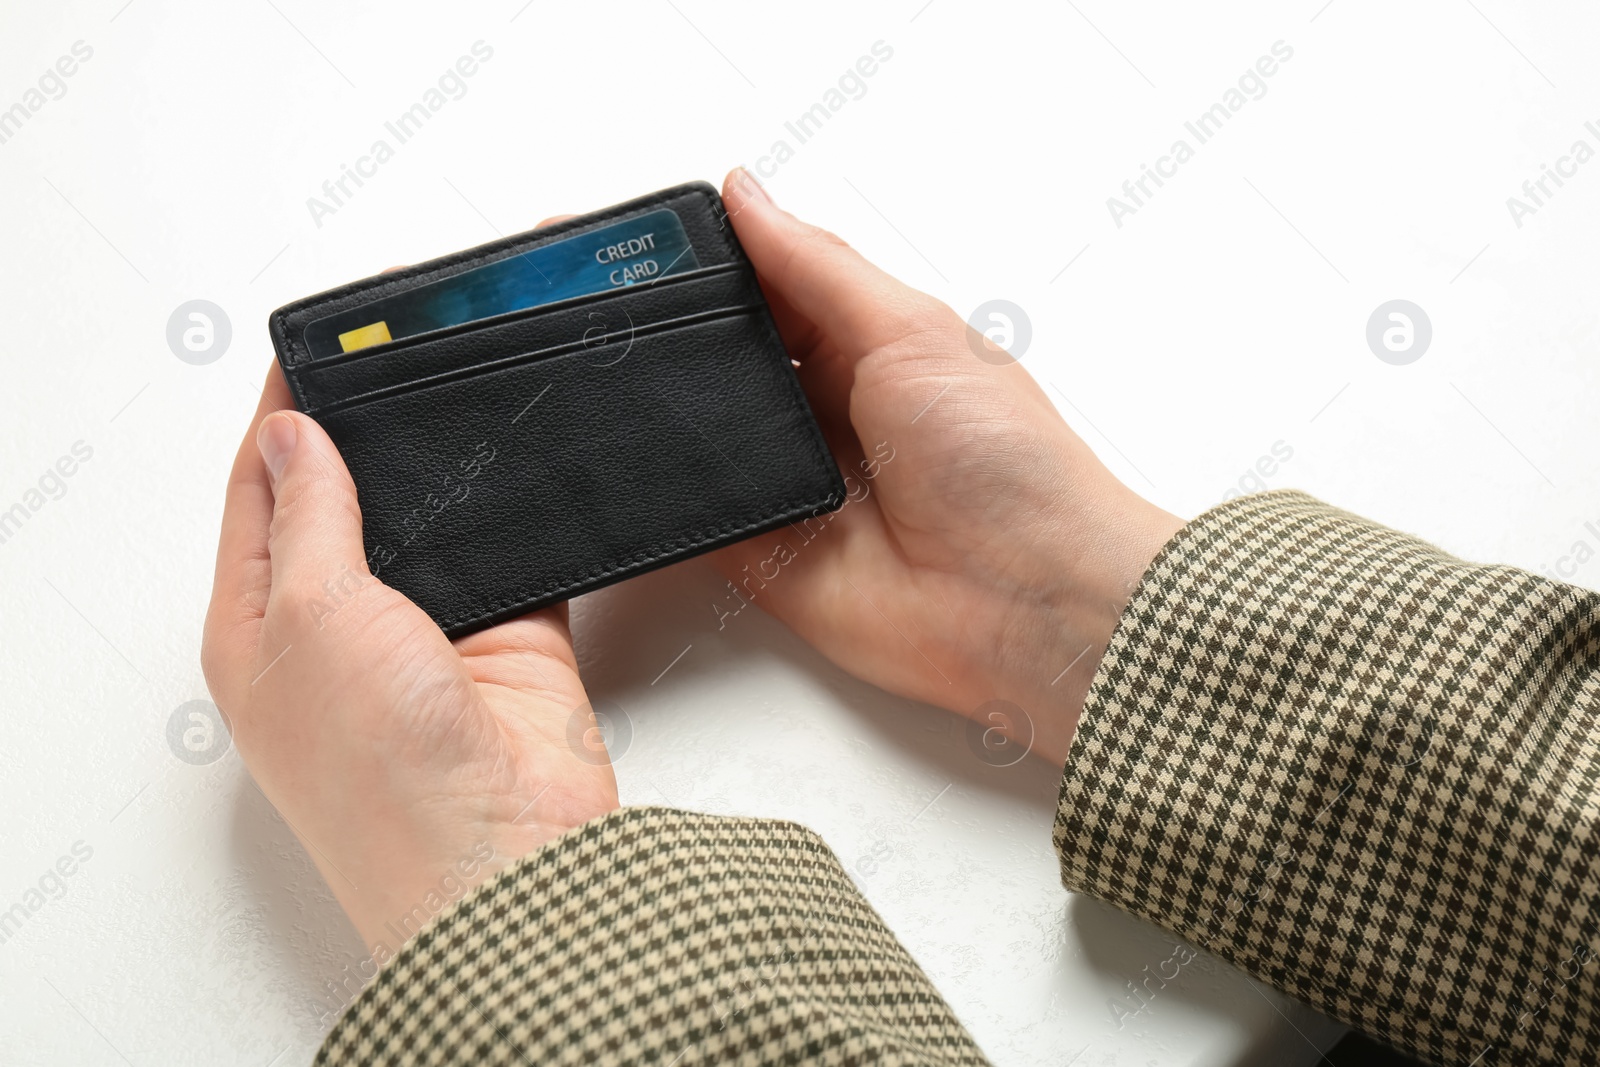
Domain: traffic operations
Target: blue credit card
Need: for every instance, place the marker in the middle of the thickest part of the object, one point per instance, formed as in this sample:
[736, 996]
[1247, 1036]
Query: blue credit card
[630, 252]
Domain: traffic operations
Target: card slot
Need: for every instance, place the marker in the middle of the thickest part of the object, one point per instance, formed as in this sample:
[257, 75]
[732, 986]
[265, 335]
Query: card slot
[669, 281]
[582, 471]
[697, 205]
[326, 382]
[598, 345]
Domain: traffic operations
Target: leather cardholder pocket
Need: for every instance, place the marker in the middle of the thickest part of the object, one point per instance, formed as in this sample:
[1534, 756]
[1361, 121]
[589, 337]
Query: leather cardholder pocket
[512, 462]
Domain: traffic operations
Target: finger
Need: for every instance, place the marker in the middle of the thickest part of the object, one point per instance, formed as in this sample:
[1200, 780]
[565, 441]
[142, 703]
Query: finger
[316, 520]
[855, 305]
[243, 573]
[826, 376]
[800, 335]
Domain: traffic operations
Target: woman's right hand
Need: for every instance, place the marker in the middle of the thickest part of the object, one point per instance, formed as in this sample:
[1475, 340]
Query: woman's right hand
[984, 549]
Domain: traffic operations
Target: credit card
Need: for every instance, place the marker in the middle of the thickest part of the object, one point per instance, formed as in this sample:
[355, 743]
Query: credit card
[630, 252]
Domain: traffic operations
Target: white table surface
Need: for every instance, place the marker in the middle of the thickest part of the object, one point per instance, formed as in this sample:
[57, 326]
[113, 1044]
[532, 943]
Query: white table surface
[1225, 317]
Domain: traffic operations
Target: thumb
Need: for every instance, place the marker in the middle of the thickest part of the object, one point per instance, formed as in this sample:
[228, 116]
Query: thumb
[855, 304]
[316, 519]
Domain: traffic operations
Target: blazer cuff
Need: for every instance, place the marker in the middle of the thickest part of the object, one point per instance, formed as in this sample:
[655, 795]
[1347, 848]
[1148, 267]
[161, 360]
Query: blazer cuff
[1359, 768]
[651, 936]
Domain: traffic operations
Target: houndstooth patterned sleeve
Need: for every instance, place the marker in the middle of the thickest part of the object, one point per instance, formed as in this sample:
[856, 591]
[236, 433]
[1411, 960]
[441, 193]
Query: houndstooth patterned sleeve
[656, 937]
[1364, 771]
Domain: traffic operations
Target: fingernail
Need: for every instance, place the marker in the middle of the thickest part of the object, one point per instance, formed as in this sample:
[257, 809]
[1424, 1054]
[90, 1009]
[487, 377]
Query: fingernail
[753, 189]
[276, 440]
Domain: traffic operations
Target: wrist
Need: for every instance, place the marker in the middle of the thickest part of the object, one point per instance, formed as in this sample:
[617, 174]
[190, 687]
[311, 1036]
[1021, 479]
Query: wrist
[1056, 627]
[388, 919]
[405, 886]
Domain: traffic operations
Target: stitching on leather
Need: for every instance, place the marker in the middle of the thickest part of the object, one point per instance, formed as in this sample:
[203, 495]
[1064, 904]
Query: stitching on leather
[819, 452]
[653, 554]
[811, 432]
[821, 457]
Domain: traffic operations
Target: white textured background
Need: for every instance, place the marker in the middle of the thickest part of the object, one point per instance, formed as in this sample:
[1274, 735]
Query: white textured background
[1225, 318]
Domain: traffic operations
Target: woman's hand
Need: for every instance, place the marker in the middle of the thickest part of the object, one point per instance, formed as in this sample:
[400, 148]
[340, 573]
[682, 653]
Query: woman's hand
[985, 553]
[409, 766]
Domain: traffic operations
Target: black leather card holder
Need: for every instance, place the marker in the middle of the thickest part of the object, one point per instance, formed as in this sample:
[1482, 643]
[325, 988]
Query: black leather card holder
[513, 462]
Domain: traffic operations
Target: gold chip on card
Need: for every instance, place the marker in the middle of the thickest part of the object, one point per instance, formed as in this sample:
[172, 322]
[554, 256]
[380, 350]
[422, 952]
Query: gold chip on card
[365, 337]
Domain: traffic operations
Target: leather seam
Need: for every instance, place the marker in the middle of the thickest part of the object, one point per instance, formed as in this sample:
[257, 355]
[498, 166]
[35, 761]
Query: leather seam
[654, 554]
[811, 429]
[295, 361]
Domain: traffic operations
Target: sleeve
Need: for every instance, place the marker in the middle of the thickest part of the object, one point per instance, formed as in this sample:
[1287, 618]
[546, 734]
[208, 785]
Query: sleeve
[1360, 769]
[658, 937]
